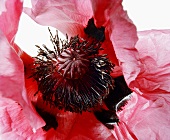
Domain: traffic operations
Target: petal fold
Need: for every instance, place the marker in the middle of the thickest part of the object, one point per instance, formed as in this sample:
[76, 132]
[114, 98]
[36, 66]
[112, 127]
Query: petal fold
[9, 17]
[69, 16]
[12, 84]
[14, 124]
[121, 34]
[154, 49]
[150, 71]
[147, 117]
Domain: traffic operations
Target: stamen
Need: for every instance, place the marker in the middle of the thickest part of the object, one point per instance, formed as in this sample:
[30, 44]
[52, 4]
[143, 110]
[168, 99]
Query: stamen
[75, 77]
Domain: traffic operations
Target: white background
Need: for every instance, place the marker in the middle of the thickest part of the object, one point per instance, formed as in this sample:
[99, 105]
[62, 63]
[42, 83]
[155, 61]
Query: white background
[145, 14]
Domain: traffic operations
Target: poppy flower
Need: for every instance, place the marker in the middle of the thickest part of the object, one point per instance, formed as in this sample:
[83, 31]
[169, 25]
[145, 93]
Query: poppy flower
[133, 61]
[88, 73]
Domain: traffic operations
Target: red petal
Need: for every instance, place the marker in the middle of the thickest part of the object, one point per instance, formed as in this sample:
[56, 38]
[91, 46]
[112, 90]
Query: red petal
[101, 10]
[69, 16]
[109, 49]
[86, 126]
[117, 71]
[77, 126]
[9, 18]
[80, 127]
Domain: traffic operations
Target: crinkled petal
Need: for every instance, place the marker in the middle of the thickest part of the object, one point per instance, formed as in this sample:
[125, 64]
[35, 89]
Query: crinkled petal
[147, 117]
[154, 49]
[9, 17]
[121, 34]
[12, 83]
[14, 124]
[122, 132]
[68, 16]
[124, 37]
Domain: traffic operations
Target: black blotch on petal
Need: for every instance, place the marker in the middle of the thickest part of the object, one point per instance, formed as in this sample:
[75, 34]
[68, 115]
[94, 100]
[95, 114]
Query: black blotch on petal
[120, 91]
[50, 120]
[107, 117]
[92, 31]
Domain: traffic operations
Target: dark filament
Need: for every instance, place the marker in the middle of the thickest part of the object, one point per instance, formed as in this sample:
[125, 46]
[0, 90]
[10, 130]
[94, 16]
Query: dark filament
[75, 77]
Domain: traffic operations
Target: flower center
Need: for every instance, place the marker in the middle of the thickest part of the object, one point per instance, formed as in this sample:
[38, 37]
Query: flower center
[73, 77]
[72, 64]
[76, 78]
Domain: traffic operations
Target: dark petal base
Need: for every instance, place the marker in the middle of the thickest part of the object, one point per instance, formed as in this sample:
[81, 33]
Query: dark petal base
[50, 120]
[116, 95]
[114, 101]
[92, 31]
[107, 117]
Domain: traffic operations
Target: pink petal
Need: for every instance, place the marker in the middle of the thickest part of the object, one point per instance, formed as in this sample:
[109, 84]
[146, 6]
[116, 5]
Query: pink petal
[121, 131]
[9, 17]
[68, 16]
[120, 30]
[12, 83]
[147, 117]
[150, 71]
[14, 124]
[123, 36]
[154, 49]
